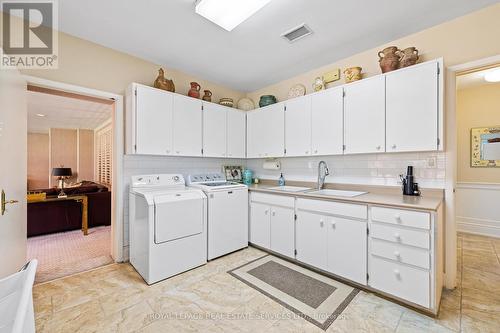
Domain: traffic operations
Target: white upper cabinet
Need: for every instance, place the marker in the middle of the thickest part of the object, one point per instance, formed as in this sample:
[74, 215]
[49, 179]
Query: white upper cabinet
[236, 133]
[412, 108]
[187, 128]
[298, 126]
[153, 121]
[327, 110]
[266, 131]
[364, 116]
[214, 130]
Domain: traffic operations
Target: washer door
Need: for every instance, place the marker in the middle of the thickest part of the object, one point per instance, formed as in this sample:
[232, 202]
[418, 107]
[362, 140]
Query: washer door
[178, 215]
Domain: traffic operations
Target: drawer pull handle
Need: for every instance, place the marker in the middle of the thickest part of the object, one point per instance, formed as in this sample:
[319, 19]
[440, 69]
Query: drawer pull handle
[397, 254]
[397, 236]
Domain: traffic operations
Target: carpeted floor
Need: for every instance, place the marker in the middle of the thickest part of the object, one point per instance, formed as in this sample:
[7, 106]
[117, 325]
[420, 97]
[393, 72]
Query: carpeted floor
[71, 252]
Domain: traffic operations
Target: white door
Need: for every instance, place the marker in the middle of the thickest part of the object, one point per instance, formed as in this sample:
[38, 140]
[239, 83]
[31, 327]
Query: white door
[255, 142]
[227, 222]
[214, 130]
[311, 239]
[298, 126]
[283, 231]
[412, 108]
[13, 148]
[327, 112]
[187, 122]
[347, 251]
[236, 133]
[153, 121]
[273, 130]
[260, 228]
[364, 116]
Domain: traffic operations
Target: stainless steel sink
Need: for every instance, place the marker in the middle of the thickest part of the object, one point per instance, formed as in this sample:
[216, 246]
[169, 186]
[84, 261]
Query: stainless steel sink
[290, 188]
[337, 193]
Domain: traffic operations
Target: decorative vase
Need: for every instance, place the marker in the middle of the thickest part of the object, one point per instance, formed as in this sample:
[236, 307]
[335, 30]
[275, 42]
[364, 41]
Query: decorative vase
[266, 100]
[318, 84]
[389, 59]
[352, 74]
[162, 83]
[195, 90]
[409, 56]
[208, 95]
[226, 102]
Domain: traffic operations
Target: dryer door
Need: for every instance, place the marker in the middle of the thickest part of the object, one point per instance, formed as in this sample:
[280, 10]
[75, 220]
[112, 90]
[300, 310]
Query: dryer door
[178, 215]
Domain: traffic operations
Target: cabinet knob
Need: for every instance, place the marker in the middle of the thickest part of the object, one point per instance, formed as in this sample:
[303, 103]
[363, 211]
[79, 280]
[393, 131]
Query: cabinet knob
[378, 147]
[315, 151]
[393, 146]
[333, 224]
[397, 236]
[321, 223]
[307, 152]
[273, 213]
[396, 272]
[229, 154]
[398, 218]
[397, 254]
[177, 152]
[167, 151]
[266, 212]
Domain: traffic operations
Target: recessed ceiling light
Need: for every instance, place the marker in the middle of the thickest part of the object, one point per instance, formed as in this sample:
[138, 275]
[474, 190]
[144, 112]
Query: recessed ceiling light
[492, 76]
[228, 13]
[40, 115]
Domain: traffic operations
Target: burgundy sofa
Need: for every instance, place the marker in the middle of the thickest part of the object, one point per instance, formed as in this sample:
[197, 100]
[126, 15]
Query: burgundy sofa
[65, 215]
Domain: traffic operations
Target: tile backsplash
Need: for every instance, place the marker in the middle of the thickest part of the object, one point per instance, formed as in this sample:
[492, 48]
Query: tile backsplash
[369, 169]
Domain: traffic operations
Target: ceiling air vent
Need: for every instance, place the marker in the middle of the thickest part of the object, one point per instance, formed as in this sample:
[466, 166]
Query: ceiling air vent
[297, 33]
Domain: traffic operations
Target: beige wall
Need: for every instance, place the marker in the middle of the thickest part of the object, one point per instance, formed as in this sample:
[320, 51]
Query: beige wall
[471, 37]
[63, 150]
[476, 107]
[86, 154]
[38, 161]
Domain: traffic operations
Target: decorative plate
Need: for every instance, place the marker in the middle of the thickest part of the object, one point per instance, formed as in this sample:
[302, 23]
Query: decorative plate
[297, 90]
[246, 104]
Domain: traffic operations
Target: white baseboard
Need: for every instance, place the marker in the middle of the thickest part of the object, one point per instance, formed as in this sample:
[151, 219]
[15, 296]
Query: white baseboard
[477, 226]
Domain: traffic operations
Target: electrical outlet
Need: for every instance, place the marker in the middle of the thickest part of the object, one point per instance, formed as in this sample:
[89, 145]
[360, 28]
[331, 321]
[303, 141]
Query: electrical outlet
[310, 164]
[431, 162]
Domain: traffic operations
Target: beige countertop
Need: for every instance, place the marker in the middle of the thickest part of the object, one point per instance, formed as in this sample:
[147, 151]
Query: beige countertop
[377, 195]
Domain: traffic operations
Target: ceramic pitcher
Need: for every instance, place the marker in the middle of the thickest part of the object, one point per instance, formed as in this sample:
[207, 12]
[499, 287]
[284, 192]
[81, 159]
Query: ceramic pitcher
[409, 56]
[195, 90]
[208, 95]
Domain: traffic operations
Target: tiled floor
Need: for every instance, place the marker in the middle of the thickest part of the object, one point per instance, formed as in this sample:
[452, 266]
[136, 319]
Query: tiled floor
[207, 299]
[66, 253]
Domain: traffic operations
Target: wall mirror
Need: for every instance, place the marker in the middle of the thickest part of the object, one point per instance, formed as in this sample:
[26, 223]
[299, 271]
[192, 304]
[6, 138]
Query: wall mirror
[485, 147]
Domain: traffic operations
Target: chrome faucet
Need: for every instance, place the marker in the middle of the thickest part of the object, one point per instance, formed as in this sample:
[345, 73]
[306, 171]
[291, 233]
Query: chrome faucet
[322, 175]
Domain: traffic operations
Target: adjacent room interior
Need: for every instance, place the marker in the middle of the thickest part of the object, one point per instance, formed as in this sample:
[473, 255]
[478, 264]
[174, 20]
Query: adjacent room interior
[69, 182]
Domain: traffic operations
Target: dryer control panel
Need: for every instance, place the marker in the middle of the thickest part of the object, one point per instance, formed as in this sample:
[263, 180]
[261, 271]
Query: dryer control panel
[161, 180]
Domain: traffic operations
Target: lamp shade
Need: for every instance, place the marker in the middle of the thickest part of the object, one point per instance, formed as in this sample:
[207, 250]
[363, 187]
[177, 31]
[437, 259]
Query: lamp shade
[61, 172]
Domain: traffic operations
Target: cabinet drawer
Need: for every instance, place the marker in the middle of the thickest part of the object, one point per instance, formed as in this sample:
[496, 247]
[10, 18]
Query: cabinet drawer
[407, 218]
[408, 283]
[401, 253]
[274, 200]
[419, 238]
[334, 208]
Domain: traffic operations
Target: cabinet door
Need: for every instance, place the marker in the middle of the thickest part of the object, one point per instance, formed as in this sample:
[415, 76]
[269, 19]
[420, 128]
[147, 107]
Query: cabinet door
[327, 110]
[214, 130]
[255, 134]
[273, 130]
[364, 116]
[187, 129]
[228, 226]
[347, 249]
[260, 225]
[283, 231]
[311, 239]
[412, 108]
[153, 121]
[298, 126]
[236, 133]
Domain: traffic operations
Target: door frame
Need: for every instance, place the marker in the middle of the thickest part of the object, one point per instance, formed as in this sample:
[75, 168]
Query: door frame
[450, 95]
[118, 152]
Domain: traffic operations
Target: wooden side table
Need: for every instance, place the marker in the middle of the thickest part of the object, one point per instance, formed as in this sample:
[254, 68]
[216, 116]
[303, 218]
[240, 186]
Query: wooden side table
[78, 198]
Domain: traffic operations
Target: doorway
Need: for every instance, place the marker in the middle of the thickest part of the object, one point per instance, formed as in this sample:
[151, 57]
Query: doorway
[82, 129]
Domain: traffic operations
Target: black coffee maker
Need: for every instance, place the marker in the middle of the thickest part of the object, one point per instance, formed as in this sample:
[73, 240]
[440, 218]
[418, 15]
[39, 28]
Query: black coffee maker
[409, 185]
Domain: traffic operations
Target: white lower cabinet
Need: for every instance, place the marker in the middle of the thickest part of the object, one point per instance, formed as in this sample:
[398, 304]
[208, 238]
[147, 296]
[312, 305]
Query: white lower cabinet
[272, 223]
[311, 238]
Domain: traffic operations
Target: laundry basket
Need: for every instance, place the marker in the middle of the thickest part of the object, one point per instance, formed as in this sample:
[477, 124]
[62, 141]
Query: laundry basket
[16, 301]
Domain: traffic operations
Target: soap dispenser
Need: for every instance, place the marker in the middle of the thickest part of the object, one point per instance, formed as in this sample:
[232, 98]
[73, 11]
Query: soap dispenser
[281, 180]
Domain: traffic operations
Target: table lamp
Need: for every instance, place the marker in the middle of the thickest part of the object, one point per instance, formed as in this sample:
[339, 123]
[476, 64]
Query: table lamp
[62, 173]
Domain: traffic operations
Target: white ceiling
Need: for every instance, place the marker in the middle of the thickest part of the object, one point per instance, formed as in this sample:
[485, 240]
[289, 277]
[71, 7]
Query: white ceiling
[475, 79]
[64, 112]
[253, 55]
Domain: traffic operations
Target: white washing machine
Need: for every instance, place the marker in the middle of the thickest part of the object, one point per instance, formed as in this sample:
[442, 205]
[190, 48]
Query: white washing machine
[227, 213]
[168, 226]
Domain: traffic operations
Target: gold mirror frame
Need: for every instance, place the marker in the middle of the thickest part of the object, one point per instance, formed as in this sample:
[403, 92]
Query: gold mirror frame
[475, 156]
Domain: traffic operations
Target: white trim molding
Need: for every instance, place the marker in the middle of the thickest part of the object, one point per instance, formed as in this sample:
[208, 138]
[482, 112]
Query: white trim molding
[478, 211]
